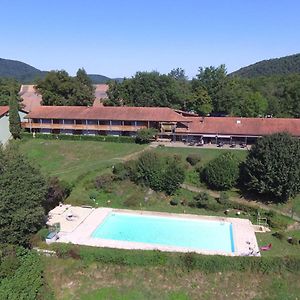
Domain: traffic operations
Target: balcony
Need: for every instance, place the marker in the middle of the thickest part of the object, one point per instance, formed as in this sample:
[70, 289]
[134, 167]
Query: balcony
[82, 127]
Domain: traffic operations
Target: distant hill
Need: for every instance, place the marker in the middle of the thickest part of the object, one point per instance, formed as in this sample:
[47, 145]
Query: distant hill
[276, 66]
[26, 74]
[19, 71]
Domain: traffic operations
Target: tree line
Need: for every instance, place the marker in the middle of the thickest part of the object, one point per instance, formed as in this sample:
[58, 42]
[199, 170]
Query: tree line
[212, 92]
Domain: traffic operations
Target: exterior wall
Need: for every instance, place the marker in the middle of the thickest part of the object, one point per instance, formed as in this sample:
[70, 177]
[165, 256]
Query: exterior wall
[4, 127]
[4, 130]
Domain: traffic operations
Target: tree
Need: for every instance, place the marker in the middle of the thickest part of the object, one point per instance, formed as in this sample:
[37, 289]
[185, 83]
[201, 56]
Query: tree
[144, 136]
[22, 192]
[173, 177]
[147, 89]
[215, 82]
[8, 88]
[200, 102]
[57, 192]
[161, 173]
[58, 88]
[272, 167]
[14, 118]
[222, 172]
[178, 74]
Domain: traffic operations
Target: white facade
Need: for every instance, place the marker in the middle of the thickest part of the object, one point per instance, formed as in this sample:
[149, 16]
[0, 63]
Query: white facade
[4, 127]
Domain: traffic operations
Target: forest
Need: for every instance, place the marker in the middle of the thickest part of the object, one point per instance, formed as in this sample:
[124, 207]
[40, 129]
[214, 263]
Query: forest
[211, 92]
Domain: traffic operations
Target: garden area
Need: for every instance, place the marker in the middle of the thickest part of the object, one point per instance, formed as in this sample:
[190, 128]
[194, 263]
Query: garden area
[96, 172]
[107, 174]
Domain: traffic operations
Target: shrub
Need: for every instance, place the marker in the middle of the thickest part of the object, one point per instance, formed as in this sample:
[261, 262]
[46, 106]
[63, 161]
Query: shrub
[174, 202]
[103, 181]
[120, 171]
[204, 263]
[203, 200]
[93, 194]
[57, 192]
[224, 198]
[132, 201]
[158, 172]
[277, 221]
[27, 280]
[42, 233]
[193, 158]
[223, 172]
[279, 235]
[144, 136]
[293, 241]
[100, 138]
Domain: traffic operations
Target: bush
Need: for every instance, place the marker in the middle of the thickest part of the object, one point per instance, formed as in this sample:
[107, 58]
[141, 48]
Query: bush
[293, 241]
[27, 280]
[174, 202]
[144, 136]
[103, 181]
[93, 195]
[42, 233]
[120, 171]
[189, 261]
[223, 172]
[224, 198]
[100, 138]
[203, 200]
[277, 221]
[161, 173]
[279, 235]
[57, 192]
[193, 158]
[132, 201]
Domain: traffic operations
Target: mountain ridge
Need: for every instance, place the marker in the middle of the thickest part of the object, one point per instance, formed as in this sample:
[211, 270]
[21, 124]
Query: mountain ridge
[27, 74]
[284, 65]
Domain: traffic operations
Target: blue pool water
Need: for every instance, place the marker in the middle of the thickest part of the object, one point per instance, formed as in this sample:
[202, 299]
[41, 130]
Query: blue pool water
[193, 234]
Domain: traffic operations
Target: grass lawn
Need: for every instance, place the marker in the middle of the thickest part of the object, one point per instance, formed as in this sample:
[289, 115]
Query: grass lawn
[76, 279]
[279, 247]
[69, 160]
[76, 162]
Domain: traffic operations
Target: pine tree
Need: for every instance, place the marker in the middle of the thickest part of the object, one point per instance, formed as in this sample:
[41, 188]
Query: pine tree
[14, 118]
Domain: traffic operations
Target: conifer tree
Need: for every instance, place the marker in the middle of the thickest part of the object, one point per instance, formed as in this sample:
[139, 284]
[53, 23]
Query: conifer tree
[14, 118]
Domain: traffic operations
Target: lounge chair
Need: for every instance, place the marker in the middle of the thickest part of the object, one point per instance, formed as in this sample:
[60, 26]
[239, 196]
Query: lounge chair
[266, 248]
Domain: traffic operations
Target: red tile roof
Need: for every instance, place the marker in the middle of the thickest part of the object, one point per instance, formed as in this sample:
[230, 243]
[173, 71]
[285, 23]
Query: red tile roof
[242, 126]
[106, 113]
[30, 98]
[3, 110]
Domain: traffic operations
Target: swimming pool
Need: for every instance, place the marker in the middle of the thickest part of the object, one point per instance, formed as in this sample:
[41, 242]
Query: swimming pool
[187, 233]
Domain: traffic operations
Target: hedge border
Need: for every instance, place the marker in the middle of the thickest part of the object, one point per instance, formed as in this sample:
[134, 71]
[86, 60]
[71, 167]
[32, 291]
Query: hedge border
[99, 138]
[187, 261]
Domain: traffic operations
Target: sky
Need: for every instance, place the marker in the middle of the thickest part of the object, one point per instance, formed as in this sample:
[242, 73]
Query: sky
[118, 38]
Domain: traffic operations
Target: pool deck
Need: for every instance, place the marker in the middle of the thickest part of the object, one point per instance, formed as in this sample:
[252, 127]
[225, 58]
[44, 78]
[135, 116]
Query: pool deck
[79, 231]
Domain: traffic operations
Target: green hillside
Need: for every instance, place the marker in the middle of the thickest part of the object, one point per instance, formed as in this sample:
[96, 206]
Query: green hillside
[25, 73]
[277, 66]
[19, 71]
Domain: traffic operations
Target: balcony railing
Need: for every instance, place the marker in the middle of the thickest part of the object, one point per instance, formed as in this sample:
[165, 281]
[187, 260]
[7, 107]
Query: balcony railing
[81, 127]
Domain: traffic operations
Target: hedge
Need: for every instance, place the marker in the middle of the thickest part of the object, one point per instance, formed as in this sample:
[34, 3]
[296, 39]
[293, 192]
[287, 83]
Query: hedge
[187, 261]
[100, 138]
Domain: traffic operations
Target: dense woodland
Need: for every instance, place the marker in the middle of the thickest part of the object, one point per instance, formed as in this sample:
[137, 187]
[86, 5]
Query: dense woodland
[212, 91]
[277, 66]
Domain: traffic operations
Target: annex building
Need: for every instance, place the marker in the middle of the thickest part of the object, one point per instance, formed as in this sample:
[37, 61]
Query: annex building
[171, 124]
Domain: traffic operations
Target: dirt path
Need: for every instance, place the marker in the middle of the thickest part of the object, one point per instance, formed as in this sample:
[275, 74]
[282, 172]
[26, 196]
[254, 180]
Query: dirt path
[134, 155]
[240, 200]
